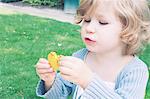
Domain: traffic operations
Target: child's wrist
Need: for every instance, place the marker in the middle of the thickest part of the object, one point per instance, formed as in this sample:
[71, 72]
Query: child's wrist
[48, 84]
[87, 81]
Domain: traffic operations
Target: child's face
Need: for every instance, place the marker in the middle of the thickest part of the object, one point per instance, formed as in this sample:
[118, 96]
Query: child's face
[101, 31]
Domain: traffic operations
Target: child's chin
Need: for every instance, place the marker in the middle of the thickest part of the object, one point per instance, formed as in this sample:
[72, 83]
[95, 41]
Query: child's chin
[91, 48]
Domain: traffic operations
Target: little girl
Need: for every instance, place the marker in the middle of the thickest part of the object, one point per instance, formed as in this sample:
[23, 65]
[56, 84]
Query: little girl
[114, 31]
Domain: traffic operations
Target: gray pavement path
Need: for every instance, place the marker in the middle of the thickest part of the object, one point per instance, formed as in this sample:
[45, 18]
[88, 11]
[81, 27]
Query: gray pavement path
[56, 14]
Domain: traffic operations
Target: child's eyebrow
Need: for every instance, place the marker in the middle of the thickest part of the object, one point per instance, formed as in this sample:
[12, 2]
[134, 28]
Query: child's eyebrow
[99, 16]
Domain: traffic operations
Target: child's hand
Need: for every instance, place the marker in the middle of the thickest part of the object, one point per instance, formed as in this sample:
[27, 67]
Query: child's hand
[45, 72]
[75, 70]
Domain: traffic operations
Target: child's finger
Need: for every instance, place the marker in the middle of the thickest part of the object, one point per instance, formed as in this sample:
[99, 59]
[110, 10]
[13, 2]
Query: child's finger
[70, 58]
[65, 71]
[67, 77]
[64, 63]
[44, 71]
[42, 66]
[43, 60]
[47, 76]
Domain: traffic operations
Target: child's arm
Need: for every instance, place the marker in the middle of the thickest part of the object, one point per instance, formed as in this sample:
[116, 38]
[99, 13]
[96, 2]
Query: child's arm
[131, 84]
[51, 84]
[59, 89]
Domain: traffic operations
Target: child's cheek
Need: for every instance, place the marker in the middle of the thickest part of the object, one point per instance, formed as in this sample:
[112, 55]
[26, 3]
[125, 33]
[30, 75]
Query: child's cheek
[82, 31]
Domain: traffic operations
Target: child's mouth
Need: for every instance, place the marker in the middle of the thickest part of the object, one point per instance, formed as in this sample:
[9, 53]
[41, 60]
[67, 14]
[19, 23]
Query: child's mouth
[89, 41]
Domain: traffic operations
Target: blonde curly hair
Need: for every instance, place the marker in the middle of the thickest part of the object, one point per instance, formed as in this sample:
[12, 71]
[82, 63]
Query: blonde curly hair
[134, 16]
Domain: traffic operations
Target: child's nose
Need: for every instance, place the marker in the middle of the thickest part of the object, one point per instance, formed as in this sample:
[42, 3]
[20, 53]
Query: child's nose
[90, 28]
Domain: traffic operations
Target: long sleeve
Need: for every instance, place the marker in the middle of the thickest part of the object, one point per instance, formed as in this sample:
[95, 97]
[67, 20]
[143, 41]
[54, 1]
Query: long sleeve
[59, 90]
[131, 85]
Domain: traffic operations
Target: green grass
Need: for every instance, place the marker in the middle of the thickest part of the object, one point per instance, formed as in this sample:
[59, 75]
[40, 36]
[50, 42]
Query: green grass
[146, 58]
[23, 40]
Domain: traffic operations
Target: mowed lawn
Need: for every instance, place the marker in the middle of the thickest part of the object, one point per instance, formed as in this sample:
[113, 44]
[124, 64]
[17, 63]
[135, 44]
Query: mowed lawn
[23, 40]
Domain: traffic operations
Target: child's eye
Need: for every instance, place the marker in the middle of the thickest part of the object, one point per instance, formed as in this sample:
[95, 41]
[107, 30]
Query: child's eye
[87, 20]
[103, 23]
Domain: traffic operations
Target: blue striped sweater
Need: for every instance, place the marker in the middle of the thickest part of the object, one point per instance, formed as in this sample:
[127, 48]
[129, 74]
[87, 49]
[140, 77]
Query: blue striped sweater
[130, 84]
